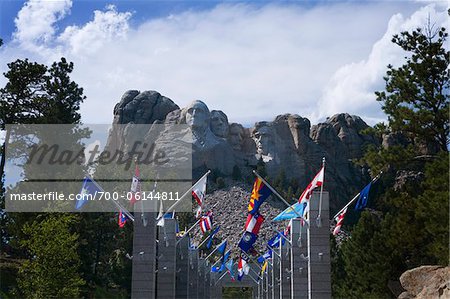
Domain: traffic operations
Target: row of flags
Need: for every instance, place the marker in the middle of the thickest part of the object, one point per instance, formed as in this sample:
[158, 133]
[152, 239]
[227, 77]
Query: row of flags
[260, 193]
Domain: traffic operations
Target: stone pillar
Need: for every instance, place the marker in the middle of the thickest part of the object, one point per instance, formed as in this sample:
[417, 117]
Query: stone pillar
[166, 260]
[299, 262]
[285, 271]
[207, 279]
[275, 274]
[269, 293]
[319, 249]
[201, 278]
[144, 257]
[182, 268]
[193, 274]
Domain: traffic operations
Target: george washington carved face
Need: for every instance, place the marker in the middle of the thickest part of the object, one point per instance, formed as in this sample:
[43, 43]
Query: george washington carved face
[197, 116]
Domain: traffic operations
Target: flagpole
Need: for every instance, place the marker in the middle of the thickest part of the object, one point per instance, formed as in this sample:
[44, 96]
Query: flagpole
[191, 228]
[121, 208]
[203, 242]
[319, 219]
[215, 250]
[356, 196]
[195, 224]
[277, 194]
[185, 194]
[282, 235]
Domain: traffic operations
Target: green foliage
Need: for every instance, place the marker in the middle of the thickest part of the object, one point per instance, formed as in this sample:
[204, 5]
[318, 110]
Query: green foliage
[416, 99]
[236, 174]
[242, 293]
[261, 168]
[52, 270]
[220, 182]
[410, 226]
[412, 232]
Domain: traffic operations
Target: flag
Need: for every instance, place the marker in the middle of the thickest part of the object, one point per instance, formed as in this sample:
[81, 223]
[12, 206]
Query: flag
[316, 182]
[229, 266]
[363, 196]
[88, 191]
[339, 220]
[243, 267]
[221, 248]
[302, 206]
[162, 215]
[265, 256]
[211, 237]
[253, 223]
[223, 260]
[279, 238]
[259, 194]
[122, 219]
[199, 190]
[206, 223]
[293, 212]
[247, 241]
[263, 268]
[135, 186]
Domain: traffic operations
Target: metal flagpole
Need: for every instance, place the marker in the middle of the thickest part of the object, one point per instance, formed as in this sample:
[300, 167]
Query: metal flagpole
[215, 249]
[125, 211]
[220, 278]
[282, 235]
[278, 195]
[281, 271]
[193, 226]
[184, 195]
[356, 196]
[318, 219]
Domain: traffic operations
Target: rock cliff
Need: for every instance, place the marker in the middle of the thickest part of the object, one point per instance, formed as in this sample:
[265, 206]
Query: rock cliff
[287, 144]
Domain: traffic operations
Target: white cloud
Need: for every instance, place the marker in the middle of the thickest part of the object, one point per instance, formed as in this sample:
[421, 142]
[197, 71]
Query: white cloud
[251, 62]
[351, 88]
[35, 22]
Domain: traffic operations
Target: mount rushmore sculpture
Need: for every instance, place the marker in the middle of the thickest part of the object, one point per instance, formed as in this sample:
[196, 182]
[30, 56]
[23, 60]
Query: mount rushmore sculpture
[288, 144]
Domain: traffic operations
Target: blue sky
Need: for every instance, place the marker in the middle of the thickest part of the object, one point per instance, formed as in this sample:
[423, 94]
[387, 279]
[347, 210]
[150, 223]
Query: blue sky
[253, 60]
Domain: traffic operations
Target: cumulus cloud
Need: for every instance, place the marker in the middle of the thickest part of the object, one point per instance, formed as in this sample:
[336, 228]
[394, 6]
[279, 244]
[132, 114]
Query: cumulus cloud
[35, 22]
[251, 61]
[351, 88]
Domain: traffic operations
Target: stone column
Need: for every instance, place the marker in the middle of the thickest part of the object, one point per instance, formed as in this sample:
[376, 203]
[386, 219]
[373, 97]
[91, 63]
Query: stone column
[285, 271]
[166, 260]
[207, 280]
[193, 274]
[299, 262]
[275, 274]
[144, 257]
[182, 268]
[319, 249]
[201, 278]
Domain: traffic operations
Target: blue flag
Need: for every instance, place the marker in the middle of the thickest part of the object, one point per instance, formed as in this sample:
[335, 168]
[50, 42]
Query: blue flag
[88, 191]
[289, 213]
[363, 196]
[222, 247]
[265, 256]
[247, 241]
[211, 237]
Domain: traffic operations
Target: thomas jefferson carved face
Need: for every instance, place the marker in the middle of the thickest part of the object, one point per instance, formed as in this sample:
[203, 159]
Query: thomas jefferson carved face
[197, 116]
[219, 123]
[264, 140]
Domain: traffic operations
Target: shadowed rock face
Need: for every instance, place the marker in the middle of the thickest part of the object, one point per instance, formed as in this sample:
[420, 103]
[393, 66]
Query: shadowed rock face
[288, 143]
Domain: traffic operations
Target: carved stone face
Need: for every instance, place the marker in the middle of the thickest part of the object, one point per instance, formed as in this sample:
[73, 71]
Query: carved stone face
[197, 115]
[219, 123]
[264, 140]
[235, 136]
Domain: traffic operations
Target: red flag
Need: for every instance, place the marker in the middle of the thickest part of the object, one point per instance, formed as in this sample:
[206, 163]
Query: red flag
[339, 221]
[122, 219]
[253, 223]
